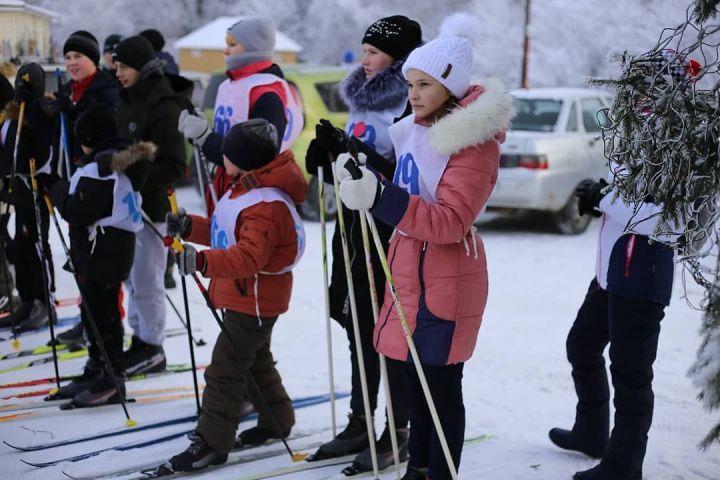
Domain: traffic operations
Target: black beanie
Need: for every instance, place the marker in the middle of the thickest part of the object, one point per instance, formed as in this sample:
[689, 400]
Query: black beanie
[94, 125]
[252, 144]
[83, 42]
[134, 52]
[155, 38]
[6, 91]
[111, 42]
[397, 36]
[33, 75]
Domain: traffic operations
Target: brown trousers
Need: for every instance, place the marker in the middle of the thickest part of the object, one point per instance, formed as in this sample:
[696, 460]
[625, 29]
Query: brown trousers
[227, 384]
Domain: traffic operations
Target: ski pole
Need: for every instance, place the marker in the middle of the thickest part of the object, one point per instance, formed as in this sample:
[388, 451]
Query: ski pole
[199, 342]
[355, 173]
[356, 332]
[21, 119]
[352, 148]
[88, 312]
[328, 325]
[42, 258]
[175, 244]
[64, 148]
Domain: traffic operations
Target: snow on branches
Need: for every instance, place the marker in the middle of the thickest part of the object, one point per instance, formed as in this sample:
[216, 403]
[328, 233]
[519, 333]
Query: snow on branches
[663, 132]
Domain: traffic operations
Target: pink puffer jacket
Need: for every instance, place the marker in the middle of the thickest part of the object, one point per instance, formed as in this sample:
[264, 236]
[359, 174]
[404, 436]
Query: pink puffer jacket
[437, 260]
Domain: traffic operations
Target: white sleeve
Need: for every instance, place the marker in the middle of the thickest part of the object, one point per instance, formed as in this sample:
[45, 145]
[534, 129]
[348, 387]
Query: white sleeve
[642, 218]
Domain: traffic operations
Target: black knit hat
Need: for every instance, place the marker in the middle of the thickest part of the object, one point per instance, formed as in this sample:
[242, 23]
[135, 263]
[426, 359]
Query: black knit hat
[134, 52]
[83, 42]
[111, 42]
[94, 125]
[252, 144]
[6, 91]
[397, 35]
[156, 39]
[31, 76]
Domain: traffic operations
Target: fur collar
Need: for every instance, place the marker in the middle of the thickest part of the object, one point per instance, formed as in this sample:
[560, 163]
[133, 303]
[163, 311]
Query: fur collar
[484, 113]
[136, 152]
[385, 90]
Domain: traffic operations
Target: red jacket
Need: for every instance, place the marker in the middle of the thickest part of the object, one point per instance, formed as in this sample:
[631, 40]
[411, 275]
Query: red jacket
[266, 241]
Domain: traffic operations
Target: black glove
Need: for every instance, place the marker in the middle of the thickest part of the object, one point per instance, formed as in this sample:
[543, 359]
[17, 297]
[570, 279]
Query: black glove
[331, 138]
[178, 223]
[63, 102]
[23, 92]
[588, 195]
[46, 180]
[317, 157]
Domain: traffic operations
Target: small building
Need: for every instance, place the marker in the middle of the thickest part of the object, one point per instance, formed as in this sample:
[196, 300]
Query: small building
[202, 50]
[25, 31]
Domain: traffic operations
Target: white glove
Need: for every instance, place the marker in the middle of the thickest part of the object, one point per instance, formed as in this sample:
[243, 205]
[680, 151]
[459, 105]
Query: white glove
[194, 126]
[360, 194]
[339, 170]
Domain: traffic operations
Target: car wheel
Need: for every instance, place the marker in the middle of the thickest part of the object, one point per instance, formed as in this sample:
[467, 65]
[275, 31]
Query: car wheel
[569, 221]
[310, 210]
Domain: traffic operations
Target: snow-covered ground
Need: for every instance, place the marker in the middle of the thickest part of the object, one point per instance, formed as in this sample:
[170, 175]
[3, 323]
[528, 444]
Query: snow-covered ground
[517, 385]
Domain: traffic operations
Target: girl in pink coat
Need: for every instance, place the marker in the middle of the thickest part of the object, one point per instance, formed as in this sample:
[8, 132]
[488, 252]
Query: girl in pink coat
[447, 156]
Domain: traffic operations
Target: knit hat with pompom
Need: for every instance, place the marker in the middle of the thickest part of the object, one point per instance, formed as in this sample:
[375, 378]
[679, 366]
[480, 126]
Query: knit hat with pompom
[449, 57]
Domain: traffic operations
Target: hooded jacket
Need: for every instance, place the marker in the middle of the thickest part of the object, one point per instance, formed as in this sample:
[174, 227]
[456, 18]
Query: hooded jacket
[437, 260]
[108, 258]
[266, 241]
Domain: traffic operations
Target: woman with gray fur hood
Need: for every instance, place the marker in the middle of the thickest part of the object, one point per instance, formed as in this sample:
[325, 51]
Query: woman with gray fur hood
[376, 93]
[101, 203]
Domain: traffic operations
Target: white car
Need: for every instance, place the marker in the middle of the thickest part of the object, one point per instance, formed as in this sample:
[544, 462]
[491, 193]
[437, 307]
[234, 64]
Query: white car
[553, 144]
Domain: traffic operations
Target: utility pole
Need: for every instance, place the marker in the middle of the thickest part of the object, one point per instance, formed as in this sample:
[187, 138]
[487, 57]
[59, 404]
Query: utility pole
[526, 47]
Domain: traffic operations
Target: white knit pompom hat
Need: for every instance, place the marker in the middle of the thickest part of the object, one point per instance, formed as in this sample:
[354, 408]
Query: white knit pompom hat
[449, 57]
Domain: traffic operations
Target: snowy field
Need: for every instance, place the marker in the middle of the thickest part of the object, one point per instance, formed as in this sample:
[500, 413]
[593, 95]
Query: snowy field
[517, 385]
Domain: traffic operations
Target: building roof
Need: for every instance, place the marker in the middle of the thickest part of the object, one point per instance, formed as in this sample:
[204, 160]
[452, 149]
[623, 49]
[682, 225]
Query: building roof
[20, 6]
[212, 37]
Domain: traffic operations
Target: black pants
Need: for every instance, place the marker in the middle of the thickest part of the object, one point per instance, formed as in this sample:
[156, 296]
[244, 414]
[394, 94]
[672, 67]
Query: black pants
[424, 446]
[397, 374]
[101, 299]
[28, 268]
[631, 327]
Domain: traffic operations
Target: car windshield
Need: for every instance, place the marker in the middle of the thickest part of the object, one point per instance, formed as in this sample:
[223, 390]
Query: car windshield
[536, 114]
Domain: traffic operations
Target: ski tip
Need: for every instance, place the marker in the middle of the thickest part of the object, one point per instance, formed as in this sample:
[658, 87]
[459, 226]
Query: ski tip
[35, 465]
[67, 475]
[300, 456]
[130, 423]
[52, 393]
[15, 447]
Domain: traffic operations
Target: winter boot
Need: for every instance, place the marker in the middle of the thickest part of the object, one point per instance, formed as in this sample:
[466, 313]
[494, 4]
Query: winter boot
[20, 312]
[197, 456]
[101, 391]
[363, 462]
[602, 471]
[73, 338]
[256, 436]
[354, 439]
[143, 358]
[92, 371]
[413, 473]
[590, 433]
[569, 440]
[38, 317]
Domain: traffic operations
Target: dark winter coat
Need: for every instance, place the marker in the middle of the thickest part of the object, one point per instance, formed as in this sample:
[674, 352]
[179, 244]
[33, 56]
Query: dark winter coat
[104, 89]
[149, 111]
[110, 258]
[383, 91]
[39, 128]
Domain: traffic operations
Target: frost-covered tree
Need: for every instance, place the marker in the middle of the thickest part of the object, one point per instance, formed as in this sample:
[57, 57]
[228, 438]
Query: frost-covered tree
[664, 134]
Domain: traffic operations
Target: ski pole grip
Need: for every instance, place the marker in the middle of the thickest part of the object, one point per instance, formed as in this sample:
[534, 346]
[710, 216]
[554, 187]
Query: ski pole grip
[33, 179]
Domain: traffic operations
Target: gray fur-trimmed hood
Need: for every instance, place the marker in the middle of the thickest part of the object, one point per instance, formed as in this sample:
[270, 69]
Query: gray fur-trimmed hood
[385, 90]
[479, 117]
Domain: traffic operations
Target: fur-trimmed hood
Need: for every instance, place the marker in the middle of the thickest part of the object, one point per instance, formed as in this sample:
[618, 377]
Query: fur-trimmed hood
[385, 90]
[484, 113]
[135, 152]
